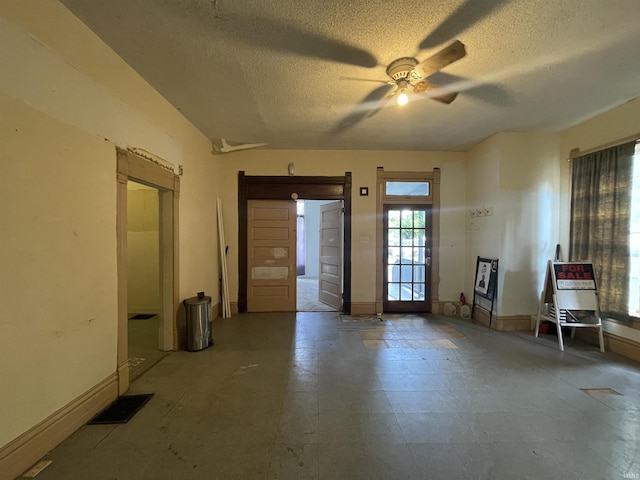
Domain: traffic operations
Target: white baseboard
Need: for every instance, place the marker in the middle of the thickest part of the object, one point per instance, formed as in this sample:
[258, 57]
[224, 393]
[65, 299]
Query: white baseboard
[20, 454]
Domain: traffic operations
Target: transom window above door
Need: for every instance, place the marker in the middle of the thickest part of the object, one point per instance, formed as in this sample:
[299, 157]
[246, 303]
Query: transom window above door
[406, 188]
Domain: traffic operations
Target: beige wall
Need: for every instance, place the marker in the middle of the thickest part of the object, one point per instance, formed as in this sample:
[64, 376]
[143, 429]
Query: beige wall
[67, 101]
[515, 174]
[525, 178]
[143, 249]
[363, 165]
[57, 258]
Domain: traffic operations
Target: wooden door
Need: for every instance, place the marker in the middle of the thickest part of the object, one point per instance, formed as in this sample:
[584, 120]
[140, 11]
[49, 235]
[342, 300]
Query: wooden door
[271, 256]
[330, 278]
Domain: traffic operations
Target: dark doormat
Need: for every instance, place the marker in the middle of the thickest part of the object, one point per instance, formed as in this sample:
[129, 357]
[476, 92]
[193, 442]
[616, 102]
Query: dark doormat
[143, 316]
[121, 410]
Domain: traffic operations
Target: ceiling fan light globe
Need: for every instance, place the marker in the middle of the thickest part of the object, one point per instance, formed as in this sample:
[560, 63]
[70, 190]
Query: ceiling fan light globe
[403, 99]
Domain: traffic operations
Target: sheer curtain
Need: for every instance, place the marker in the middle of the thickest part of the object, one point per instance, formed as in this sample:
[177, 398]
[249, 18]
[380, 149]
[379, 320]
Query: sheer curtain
[601, 184]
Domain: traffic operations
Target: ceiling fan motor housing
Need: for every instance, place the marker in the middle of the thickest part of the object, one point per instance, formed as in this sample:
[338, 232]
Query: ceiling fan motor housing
[401, 68]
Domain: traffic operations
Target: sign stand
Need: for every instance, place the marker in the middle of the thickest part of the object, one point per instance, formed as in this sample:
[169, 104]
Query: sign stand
[570, 299]
[486, 285]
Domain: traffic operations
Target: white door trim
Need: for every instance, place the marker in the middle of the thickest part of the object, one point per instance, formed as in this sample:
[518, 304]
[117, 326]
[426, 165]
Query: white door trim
[134, 167]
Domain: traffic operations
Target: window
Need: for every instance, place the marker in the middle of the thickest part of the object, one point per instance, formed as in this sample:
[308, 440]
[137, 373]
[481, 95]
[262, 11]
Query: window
[605, 225]
[407, 189]
[634, 239]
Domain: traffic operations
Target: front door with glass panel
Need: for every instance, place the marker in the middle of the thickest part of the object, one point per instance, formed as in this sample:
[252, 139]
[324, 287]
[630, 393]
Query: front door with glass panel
[407, 258]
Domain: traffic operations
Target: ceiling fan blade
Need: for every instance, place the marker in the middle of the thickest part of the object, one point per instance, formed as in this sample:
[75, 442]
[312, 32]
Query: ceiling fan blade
[446, 98]
[281, 36]
[466, 15]
[490, 93]
[449, 54]
[356, 79]
[383, 102]
[362, 110]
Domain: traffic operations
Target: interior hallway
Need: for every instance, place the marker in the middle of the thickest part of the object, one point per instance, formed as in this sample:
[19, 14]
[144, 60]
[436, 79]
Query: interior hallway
[321, 395]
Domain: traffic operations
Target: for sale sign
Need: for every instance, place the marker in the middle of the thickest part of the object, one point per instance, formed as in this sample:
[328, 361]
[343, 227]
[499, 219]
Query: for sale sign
[574, 276]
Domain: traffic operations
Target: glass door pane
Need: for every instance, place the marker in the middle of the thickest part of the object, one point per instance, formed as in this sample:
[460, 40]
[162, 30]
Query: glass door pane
[407, 244]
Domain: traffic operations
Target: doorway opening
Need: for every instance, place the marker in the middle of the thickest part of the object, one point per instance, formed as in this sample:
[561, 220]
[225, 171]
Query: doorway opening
[318, 274]
[166, 184]
[408, 240]
[266, 238]
[143, 278]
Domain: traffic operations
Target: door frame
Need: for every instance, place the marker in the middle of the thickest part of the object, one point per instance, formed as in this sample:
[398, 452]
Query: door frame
[296, 188]
[136, 168]
[432, 199]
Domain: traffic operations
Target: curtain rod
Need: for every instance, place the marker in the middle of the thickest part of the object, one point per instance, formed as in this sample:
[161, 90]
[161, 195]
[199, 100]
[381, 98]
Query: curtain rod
[576, 152]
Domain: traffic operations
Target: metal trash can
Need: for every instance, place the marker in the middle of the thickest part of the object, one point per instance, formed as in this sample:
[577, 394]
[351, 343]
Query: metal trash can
[198, 330]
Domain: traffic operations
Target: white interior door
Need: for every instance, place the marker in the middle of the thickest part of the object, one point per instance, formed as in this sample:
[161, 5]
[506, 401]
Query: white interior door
[331, 242]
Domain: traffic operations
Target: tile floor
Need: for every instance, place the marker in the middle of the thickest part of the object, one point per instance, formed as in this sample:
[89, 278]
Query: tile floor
[319, 395]
[307, 296]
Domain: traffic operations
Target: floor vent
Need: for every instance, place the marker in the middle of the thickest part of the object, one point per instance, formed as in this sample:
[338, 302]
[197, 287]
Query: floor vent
[121, 410]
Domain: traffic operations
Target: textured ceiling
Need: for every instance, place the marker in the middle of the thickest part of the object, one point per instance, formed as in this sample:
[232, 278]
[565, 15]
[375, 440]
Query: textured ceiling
[272, 71]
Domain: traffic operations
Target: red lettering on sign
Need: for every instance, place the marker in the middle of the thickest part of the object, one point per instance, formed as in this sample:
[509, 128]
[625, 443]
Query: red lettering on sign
[574, 275]
[574, 268]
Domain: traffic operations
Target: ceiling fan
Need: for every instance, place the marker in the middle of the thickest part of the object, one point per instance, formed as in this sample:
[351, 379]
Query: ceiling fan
[407, 74]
